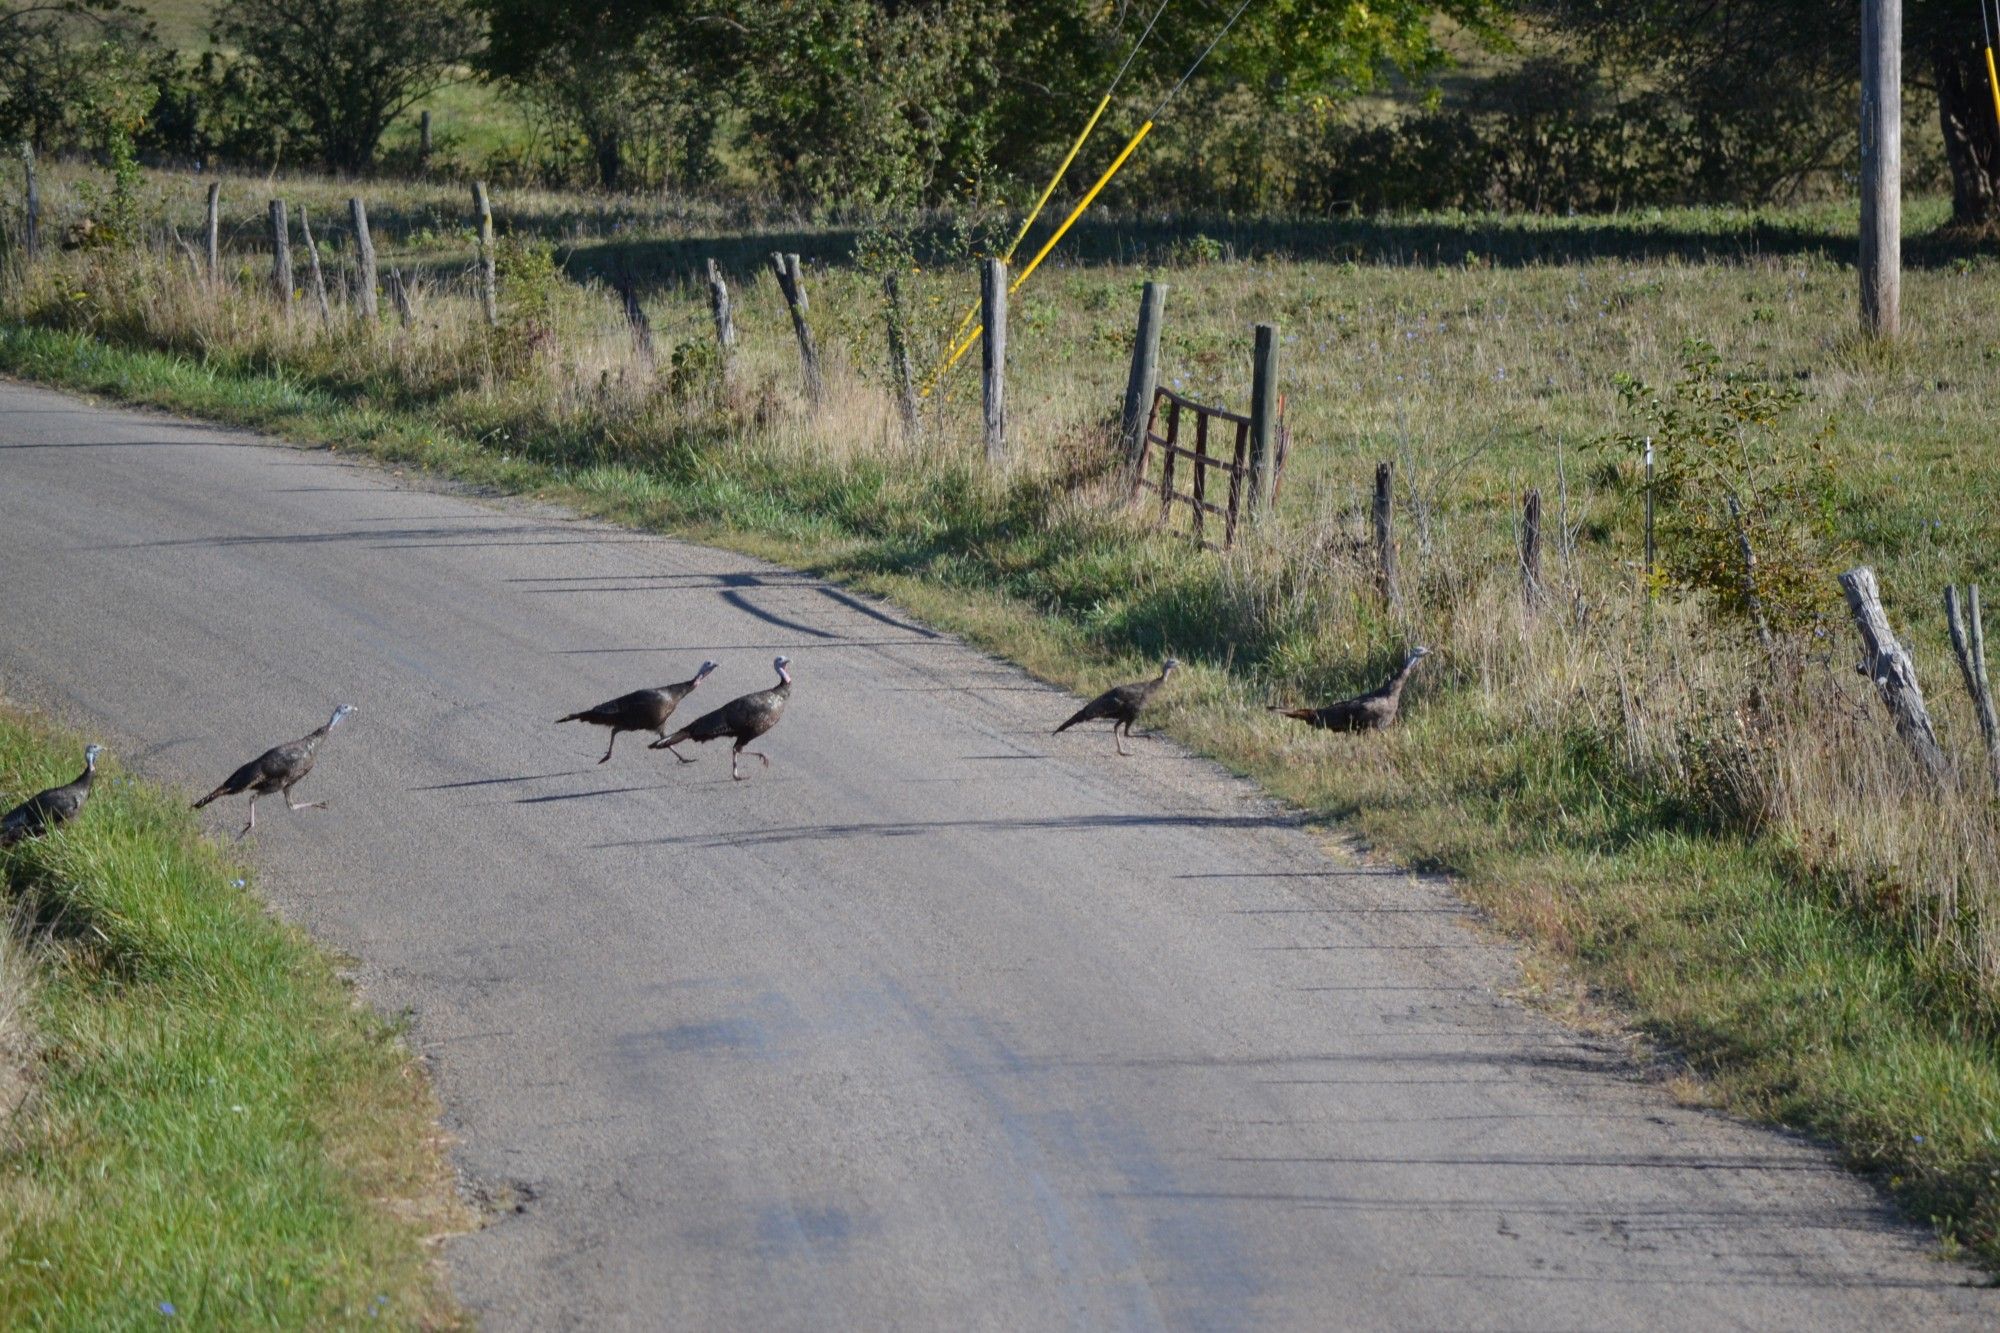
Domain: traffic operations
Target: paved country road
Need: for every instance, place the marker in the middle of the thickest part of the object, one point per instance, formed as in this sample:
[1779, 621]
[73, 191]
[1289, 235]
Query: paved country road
[940, 1021]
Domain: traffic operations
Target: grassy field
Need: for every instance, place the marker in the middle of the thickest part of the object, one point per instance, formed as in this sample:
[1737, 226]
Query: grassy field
[1731, 852]
[205, 1126]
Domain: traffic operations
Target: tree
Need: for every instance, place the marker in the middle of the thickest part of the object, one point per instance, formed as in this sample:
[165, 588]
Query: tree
[1780, 78]
[347, 68]
[619, 75]
[52, 53]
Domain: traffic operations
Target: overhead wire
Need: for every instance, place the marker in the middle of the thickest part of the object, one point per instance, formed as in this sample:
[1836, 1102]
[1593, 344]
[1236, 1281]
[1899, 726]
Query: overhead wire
[971, 339]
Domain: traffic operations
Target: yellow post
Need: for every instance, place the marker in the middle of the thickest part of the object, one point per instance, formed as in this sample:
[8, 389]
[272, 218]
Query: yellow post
[1993, 82]
[972, 311]
[959, 352]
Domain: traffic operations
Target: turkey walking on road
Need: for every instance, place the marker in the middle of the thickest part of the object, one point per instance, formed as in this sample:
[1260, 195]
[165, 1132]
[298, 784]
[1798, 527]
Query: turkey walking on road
[1122, 704]
[278, 769]
[1367, 712]
[641, 710]
[52, 808]
[745, 719]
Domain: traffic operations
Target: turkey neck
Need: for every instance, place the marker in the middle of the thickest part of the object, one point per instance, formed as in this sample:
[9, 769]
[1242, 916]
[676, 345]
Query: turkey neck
[1395, 689]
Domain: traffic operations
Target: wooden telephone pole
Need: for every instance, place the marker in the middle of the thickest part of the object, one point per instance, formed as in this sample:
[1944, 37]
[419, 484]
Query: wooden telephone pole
[1881, 167]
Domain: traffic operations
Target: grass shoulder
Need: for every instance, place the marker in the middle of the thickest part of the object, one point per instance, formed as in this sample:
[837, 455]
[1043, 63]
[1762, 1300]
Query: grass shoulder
[211, 1127]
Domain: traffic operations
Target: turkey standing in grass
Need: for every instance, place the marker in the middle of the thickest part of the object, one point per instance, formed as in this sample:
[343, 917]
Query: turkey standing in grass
[278, 769]
[745, 719]
[641, 710]
[1367, 712]
[1122, 704]
[52, 808]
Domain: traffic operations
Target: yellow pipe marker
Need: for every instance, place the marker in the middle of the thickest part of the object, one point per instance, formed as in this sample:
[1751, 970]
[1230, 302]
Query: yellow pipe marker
[1993, 82]
[1050, 244]
[972, 312]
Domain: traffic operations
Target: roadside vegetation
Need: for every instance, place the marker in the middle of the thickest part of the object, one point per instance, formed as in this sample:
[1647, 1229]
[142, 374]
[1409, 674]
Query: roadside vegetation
[1724, 842]
[200, 1123]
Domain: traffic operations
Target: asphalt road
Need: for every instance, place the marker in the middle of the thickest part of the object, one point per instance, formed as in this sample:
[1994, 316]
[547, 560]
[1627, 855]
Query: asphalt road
[940, 1021]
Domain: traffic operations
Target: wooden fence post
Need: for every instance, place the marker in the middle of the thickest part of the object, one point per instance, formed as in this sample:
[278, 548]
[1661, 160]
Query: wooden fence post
[725, 320]
[993, 356]
[32, 231]
[1881, 167]
[214, 230]
[1751, 597]
[1263, 420]
[364, 258]
[899, 359]
[424, 144]
[281, 256]
[1531, 547]
[1969, 641]
[791, 281]
[636, 320]
[1888, 664]
[312, 267]
[1144, 379]
[1384, 515]
[489, 283]
[399, 293]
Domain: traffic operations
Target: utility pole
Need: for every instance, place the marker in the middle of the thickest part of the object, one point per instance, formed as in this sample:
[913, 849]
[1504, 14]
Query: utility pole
[1881, 167]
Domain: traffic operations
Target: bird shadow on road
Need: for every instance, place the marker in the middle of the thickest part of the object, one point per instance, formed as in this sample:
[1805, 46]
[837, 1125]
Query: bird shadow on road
[919, 828]
[494, 782]
[586, 795]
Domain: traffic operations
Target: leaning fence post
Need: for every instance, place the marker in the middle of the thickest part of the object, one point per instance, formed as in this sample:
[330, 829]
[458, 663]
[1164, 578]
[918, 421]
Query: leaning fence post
[281, 256]
[32, 232]
[1531, 546]
[399, 293]
[1751, 597]
[489, 284]
[364, 258]
[424, 144]
[1264, 420]
[312, 265]
[993, 356]
[1888, 664]
[725, 321]
[636, 320]
[1144, 380]
[1969, 642]
[214, 229]
[791, 281]
[899, 358]
[1384, 515]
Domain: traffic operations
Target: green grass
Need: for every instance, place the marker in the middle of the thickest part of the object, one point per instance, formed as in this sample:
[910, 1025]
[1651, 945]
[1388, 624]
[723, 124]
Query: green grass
[1792, 954]
[214, 1125]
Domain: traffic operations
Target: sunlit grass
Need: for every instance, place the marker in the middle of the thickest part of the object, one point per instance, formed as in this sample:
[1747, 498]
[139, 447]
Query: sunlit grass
[213, 1130]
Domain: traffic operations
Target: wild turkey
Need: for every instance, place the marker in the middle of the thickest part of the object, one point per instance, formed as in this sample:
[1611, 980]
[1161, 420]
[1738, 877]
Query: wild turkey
[641, 710]
[1122, 704]
[1367, 712]
[278, 769]
[745, 718]
[52, 808]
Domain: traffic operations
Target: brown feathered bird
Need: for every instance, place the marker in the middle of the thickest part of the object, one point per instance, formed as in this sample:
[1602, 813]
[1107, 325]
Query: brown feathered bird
[1366, 712]
[278, 769]
[744, 718]
[52, 808]
[1122, 703]
[641, 710]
